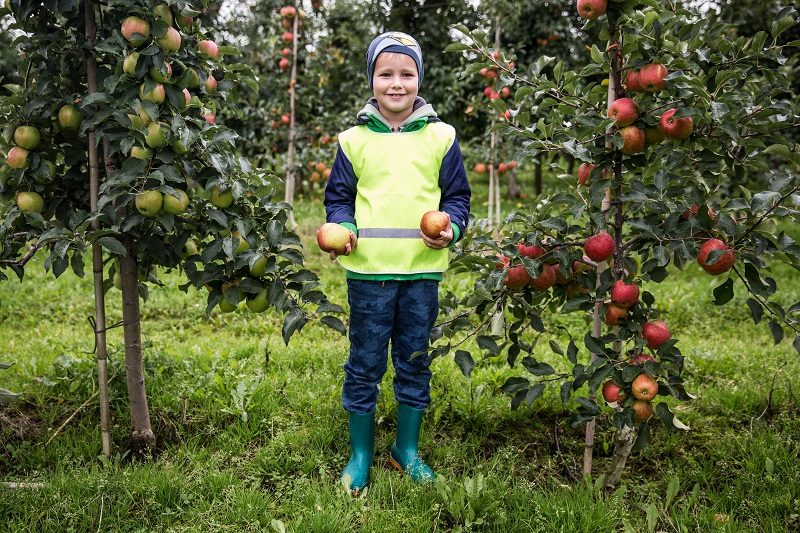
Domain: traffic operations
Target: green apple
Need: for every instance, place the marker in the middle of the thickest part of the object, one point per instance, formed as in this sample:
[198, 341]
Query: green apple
[30, 202]
[140, 152]
[176, 205]
[149, 203]
[227, 307]
[221, 199]
[156, 136]
[259, 266]
[258, 303]
[27, 137]
[129, 63]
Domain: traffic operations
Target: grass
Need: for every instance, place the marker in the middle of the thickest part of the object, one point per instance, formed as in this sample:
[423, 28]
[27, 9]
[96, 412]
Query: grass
[246, 445]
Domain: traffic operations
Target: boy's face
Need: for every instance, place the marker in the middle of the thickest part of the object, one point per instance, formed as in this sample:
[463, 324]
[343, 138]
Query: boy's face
[395, 84]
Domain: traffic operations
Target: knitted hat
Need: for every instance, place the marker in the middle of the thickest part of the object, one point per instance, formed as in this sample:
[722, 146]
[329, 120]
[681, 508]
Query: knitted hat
[394, 41]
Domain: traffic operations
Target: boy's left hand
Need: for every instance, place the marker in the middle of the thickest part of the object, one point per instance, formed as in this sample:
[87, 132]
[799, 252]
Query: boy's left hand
[444, 238]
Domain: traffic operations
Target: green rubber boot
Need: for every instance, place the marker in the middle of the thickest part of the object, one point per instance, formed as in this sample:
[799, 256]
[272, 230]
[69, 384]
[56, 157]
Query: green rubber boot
[405, 450]
[362, 449]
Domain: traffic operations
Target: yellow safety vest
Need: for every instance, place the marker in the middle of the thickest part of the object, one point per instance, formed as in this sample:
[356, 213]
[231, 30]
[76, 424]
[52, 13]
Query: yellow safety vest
[398, 181]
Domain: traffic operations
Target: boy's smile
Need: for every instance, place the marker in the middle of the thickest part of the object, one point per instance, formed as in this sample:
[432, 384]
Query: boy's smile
[395, 84]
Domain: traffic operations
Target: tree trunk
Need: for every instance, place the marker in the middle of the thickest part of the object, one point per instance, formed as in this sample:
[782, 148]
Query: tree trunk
[97, 252]
[142, 436]
[291, 179]
[512, 185]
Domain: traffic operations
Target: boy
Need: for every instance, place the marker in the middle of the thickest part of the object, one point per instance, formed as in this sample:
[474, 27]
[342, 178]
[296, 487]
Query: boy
[398, 162]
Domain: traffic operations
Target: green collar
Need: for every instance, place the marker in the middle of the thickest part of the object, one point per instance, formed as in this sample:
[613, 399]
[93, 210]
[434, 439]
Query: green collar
[377, 125]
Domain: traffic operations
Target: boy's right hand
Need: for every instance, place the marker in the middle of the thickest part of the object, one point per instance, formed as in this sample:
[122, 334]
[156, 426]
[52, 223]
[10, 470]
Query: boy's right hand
[349, 247]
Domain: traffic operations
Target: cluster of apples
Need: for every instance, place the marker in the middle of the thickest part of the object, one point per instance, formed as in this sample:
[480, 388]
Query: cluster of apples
[644, 387]
[26, 139]
[517, 277]
[502, 167]
[155, 74]
[319, 170]
[490, 75]
[287, 14]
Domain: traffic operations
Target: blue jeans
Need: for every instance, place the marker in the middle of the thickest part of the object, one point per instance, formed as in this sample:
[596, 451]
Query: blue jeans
[403, 312]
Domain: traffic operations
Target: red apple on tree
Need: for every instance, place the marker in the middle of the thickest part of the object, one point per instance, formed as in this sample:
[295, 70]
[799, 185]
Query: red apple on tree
[584, 172]
[283, 64]
[675, 128]
[655, 333]
[632, 83]
[545, 279]
[208, 49]
[211, 84]
[17, 158]
[723, 262]
[170, 41]
[633, 140]
[591, 9]
[531, 251]
[599, 247]
[480, 168]
[640, 359]
[643, 410]
[287, 37]
[623, 112]
[433, 223]
[612, 392]
[614, 314]
[644, 387]
[652, 77]
[623, 294]
[517, 277]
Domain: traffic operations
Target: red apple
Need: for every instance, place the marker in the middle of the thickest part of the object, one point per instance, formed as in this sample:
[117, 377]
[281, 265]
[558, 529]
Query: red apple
[17, 158]
[694, 209]
[599, 247]
[613, 393]
[623, 294]
[285, 119]
[633, 140]
[288, 11]
[652, 77]
[531, 251]
[286, 52]
[640, 359]
[632, 83]
[591, 9]
[211, 84]
[517, 277]
[502, 262]
[287, 37]
[283, 64]
[675, 128]
[655, 333]
[333, 238]
[623, 112]
[135, 30]
[171, 41]
[584, 172]
[643, 410]
[545, 279]
[210, 117]
[433, 223]
[644, 387]
[653, 136]
[208, 49]
[614, 314]
[723, 263]
[480, 168]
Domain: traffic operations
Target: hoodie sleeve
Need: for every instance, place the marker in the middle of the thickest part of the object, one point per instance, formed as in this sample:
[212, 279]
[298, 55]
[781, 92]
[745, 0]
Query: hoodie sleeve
[340, 192]
[456, 192]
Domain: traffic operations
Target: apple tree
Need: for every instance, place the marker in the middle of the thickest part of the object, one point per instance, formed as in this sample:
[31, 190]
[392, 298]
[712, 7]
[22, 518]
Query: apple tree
[665, 113]
[112, 141]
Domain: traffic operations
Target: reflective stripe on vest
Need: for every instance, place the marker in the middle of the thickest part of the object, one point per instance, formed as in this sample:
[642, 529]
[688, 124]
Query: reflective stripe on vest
[398, 181]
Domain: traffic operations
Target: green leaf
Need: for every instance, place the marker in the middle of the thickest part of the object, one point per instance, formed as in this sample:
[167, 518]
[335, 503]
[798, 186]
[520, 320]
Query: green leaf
[796, 344]
[292, 322]
[555, 347]
[593, 345]
[755, 309]
[776, 330]
[781, 25]
[334, 323]
[465, 362]
[534, 393]
[672, 490]
[783, 151]
[514, 384]
[724, 293]
[597, 55]
[112, 245]
[488, 344]
[572, 352]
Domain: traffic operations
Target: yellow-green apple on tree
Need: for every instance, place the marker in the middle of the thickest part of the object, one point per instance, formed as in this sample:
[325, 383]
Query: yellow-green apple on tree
[170, 41]
[211, 84]
[612, 392]
[17, 158]
[155, 95]
[69, 118]
[259, 266]
[149, 203]
[333, 238]
[176, 205]
[633, 139]
[27, 137]
[135, 30]
[163, 12]
[724, 261]
[243, 245]
[30, 202]
[159, 75]
[156, 135]
[642, 409]
[46, 172]
[584, 172]
[623, 112]
[624, 294]
[655, 333]
[599, 247]
[226, 307]
[183, 21]
[591, 9]
[129, 63]
[652, 77]
[644, 387]
[220, 198]
[141, 152]
[675, 128]
[190, 248]
[259, 302]
[433, 223]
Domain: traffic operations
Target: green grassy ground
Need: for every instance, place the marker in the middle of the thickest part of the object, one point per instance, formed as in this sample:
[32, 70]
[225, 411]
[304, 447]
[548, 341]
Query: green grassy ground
[250, 446]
